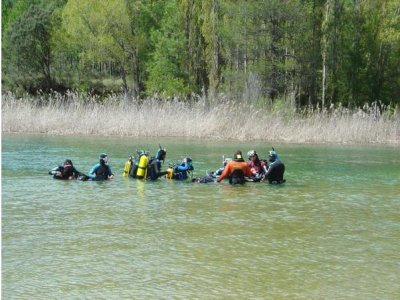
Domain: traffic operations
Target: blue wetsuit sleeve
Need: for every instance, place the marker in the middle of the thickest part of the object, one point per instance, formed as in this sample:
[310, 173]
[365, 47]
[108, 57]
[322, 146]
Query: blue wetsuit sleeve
[184, 167]
[92, 173]
[110, 172]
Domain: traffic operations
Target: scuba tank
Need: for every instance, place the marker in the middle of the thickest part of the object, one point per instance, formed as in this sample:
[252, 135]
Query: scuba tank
[170, 173]
[127, 167]
[142, 167]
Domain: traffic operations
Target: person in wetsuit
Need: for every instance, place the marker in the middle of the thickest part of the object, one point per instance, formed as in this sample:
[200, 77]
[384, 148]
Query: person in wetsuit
[276, 169]
[182, 171]
[154, 170]
[236, 170]
[102, 170]
[67, 171]
[211, 176]
[257, 166]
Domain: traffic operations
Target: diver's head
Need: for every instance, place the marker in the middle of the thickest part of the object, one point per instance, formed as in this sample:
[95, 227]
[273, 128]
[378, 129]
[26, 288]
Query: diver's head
[103, 158]
[226, 160]
[161, 154]
[272, 156]
[252, 154]
[238, 156]
[189, 162]
[68, 162]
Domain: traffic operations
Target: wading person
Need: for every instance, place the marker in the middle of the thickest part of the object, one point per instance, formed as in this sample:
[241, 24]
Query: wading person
[155, 164]
[182, 171]
[102, 170]
[67, 171]
[236, 170]
[257, 167]
[276, 169]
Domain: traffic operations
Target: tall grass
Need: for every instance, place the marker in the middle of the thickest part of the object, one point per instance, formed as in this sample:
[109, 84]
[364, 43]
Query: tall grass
[74, 114]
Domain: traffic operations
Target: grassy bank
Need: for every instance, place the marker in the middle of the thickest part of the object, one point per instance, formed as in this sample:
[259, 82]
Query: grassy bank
[120, 115]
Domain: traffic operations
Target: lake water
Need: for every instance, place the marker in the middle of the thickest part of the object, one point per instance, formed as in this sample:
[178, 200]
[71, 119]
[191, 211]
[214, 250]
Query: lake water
[332, 231]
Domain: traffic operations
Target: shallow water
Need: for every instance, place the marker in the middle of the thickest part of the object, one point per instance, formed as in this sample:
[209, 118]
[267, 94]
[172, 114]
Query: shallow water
[332, 231]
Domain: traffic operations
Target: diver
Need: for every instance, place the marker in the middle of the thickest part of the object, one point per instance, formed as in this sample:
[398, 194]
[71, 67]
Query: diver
[257, 166]
[102, 170]
[212, 176]
[182, 171]
[154, 166]
[236, 170]
[276, 169]
[67, 171]
[219, 171]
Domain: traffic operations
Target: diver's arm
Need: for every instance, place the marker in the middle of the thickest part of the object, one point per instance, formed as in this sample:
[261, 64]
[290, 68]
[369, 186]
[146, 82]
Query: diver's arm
[111, 175]
[182, 168]
[225, 172]
[92, 173]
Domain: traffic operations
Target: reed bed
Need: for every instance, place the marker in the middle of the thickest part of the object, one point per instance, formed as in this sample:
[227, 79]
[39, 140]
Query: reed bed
[75, 114]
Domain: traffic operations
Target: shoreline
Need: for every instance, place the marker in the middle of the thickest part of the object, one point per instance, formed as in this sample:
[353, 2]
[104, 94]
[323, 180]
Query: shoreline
[392, 143]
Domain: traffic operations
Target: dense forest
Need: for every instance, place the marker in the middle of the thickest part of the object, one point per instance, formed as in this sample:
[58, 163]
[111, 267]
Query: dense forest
[315, 52]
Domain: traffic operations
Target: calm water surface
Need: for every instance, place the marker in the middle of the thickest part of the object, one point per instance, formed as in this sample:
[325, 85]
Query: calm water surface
[331, 232]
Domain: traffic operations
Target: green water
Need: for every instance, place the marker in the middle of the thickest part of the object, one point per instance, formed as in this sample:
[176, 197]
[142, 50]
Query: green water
[331, 232]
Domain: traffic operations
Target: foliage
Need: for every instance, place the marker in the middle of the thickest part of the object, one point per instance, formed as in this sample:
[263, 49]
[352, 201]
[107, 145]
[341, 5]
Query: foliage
[307, 52]
[29, 47]
[167, 74]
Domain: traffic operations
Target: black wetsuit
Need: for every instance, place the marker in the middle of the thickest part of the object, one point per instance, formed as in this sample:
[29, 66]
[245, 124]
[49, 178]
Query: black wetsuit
[275, 172]
[67, 172]
[155, 169]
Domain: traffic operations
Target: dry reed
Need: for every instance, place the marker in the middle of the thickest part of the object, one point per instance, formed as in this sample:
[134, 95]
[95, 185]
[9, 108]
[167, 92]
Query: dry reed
[74, 114]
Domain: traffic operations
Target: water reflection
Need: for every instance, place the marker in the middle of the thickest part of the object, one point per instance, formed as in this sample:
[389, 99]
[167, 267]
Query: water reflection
[330, 230]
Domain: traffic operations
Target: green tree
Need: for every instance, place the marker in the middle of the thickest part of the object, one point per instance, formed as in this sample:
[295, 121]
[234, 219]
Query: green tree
[195, 44]
[28, 45]
[211, 16]
[118, 31]
[168, 72]
[259, 46]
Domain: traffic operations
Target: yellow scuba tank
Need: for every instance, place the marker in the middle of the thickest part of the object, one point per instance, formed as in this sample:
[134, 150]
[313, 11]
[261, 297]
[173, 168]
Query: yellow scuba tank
[142, 168]
[127, 168]
[170, 173]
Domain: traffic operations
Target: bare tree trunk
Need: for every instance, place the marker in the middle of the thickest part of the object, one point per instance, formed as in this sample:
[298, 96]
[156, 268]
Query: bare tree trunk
[324, 53]
[210, 33]
[135, 73]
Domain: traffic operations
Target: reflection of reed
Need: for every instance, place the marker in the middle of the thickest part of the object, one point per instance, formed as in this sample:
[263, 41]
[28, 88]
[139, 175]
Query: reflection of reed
[120, 115]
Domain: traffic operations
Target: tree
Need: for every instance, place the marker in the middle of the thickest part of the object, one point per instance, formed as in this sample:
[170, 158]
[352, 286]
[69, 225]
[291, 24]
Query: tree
[29, 49]
[118, 31]
[210, 13]
[168, 68]
[195, 44]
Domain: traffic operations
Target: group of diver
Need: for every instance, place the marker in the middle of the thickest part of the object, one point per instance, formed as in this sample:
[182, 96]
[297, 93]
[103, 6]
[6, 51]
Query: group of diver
[147, 167]
[144, 166]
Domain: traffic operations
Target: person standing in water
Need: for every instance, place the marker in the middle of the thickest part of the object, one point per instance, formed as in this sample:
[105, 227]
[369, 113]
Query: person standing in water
[276, 169]
[102, 170]
[236, 170]
[257, 166]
